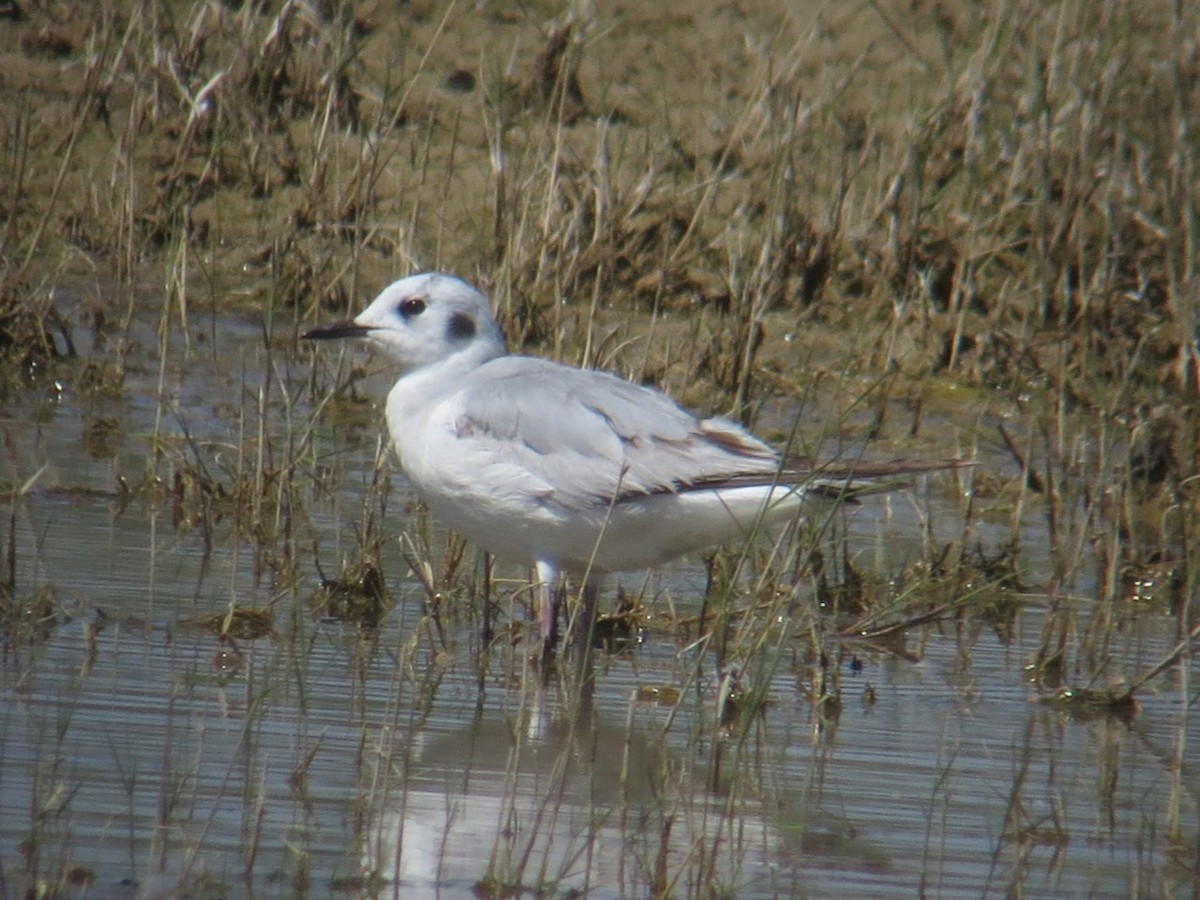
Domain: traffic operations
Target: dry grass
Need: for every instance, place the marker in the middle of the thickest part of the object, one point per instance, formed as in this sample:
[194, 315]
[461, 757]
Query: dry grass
[965, 230]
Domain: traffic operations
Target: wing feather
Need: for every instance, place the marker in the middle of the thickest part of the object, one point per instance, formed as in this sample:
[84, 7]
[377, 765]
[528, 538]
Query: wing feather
[518, 429]
[589, 437]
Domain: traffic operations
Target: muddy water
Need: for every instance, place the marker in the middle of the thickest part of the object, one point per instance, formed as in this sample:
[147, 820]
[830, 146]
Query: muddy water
[139, 754]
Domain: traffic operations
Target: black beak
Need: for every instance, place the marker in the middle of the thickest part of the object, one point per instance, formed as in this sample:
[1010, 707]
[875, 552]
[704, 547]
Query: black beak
[347, 329]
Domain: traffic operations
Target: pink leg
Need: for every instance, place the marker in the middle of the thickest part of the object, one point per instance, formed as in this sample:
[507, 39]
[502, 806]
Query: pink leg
[583, 622]
[548, 594]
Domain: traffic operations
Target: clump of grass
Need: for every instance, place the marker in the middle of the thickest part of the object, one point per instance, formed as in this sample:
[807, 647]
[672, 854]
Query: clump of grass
[894, 217]
[32, 336]
[357, 595]
[28, 616]
[27, 619]
[239, 623]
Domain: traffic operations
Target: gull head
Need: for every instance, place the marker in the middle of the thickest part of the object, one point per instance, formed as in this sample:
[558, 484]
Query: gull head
[423, 320]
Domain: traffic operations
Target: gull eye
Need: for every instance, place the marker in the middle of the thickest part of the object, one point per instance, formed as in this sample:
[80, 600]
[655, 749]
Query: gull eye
[410, 307]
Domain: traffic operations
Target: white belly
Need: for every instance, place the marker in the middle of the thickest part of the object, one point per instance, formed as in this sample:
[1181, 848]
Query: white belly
[635, 534]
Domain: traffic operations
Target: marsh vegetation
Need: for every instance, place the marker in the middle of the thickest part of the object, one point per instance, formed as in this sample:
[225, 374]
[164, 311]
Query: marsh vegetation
[238, 658]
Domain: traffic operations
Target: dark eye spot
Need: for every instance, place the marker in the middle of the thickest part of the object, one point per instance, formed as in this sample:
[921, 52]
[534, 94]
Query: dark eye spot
[460, 327]
[410, 307]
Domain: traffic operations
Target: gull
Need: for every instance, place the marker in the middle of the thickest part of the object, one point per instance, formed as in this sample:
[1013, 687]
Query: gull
[573, 472]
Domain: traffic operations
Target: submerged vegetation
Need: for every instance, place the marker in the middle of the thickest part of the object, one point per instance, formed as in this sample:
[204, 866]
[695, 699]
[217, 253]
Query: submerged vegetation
[884, 229]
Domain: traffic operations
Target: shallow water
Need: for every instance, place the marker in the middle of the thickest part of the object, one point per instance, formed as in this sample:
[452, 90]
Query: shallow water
[140, 756]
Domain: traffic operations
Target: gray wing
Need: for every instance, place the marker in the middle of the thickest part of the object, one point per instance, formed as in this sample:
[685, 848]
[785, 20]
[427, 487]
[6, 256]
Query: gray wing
[592, 437]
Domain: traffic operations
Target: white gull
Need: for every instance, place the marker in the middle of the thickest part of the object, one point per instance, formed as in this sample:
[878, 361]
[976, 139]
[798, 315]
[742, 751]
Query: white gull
[572, 471]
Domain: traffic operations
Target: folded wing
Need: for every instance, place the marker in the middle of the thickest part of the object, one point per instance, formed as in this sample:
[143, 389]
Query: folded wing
[590, 437]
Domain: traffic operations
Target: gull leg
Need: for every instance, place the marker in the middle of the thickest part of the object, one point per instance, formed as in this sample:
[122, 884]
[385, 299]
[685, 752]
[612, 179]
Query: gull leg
[583, 622]
[549, 597]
